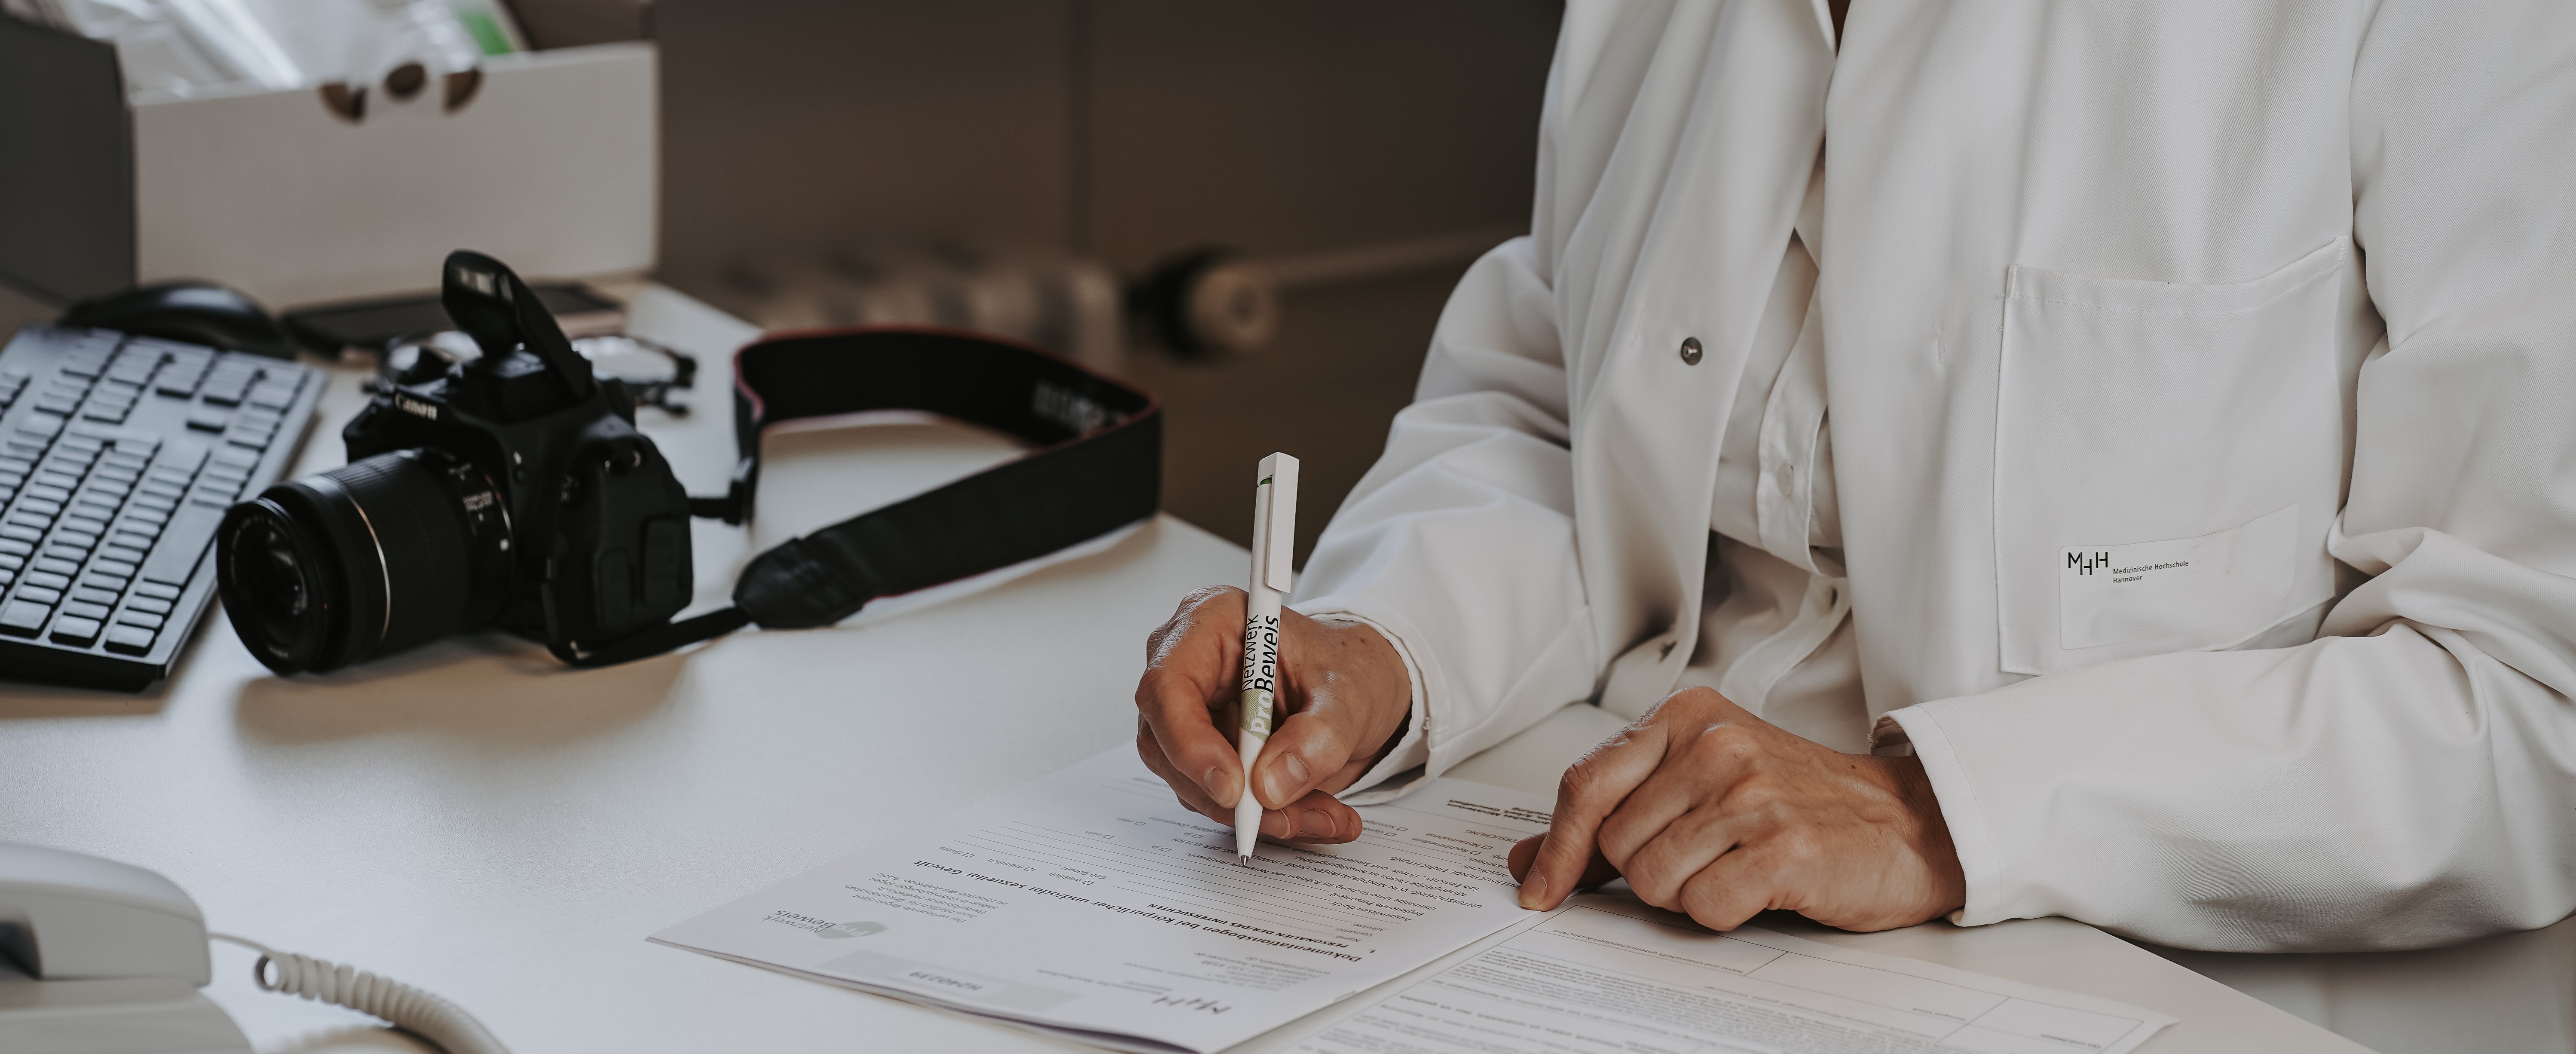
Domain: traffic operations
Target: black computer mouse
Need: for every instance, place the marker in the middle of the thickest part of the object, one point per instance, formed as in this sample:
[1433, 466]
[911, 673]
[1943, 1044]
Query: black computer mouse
[195, 312]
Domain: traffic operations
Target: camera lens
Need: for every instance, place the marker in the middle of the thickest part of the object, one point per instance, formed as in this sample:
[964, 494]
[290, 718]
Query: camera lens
[372, 558]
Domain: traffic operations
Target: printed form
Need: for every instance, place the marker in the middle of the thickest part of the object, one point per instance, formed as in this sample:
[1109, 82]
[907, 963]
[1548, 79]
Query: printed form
[1608, 974]
[1090, 903]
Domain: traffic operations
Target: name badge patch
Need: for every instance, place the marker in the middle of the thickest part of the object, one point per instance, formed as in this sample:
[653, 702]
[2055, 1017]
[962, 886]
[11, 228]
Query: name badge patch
[2110, 594]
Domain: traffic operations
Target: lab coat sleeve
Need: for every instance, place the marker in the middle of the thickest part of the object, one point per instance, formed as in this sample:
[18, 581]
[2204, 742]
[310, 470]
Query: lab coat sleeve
[1458, 544]
[2409, 778]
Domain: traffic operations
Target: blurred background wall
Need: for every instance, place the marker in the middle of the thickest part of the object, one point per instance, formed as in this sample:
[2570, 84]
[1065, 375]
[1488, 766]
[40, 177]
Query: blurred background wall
[1121, 131]
[1126, 130]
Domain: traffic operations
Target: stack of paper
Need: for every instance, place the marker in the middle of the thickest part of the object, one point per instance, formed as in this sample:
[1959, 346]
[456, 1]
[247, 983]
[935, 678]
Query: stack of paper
[1091, 905]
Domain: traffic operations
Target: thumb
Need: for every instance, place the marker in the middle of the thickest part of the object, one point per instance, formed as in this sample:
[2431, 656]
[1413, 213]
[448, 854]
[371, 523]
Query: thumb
[1309, 748]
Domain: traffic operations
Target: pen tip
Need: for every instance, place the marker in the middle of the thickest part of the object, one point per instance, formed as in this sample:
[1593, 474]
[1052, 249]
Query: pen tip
[1243, 858]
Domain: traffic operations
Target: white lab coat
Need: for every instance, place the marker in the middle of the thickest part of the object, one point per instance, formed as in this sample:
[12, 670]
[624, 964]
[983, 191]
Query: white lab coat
[2265, 310]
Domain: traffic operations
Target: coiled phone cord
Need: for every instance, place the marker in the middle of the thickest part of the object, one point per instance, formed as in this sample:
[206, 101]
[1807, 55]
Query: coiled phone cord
[409, 1008]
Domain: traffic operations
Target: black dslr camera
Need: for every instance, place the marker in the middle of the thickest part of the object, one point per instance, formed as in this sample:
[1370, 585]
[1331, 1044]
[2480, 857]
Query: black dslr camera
[511, 490]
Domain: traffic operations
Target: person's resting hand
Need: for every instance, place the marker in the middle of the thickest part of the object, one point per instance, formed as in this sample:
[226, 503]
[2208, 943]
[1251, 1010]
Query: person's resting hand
[1713, 812]
[1342, 686]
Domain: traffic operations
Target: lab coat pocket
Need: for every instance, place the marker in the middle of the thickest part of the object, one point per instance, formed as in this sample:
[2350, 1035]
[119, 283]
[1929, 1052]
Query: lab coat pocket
[2167, 459]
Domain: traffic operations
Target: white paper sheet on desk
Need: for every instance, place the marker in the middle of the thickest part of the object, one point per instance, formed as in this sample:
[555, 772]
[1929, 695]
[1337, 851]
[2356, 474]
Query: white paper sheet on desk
[1606, 973]
[1091, 904]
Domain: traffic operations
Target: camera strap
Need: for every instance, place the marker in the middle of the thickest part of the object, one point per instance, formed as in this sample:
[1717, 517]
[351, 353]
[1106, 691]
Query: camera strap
[1097, 467]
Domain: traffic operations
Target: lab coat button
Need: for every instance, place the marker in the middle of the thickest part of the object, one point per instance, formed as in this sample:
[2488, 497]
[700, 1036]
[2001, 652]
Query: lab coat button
[1690, 351]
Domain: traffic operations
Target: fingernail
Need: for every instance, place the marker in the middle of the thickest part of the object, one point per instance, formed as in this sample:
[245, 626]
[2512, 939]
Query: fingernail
[1214, 781]
[1534, 889]
[1286, 774]
[1314, 824]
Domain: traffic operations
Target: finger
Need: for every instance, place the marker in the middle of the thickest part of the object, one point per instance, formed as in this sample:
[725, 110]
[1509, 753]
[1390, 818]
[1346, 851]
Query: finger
[1315, 818]
[1308, 748]
[1590, 789]
[1730, 890]
[1658, 870]
[1525, 851]
[1665, 796]
[1189, 670]
[1191, 795]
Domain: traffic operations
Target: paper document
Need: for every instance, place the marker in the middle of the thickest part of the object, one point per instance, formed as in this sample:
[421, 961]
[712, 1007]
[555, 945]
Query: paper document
[1090, 903]
[1610, 974]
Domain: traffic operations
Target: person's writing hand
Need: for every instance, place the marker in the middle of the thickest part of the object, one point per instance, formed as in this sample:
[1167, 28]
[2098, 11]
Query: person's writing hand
[1711, 811]
[1342, 687]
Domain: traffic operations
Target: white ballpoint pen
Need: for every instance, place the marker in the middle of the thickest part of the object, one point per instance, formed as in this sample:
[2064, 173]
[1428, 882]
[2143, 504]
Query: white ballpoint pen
[1274, 530]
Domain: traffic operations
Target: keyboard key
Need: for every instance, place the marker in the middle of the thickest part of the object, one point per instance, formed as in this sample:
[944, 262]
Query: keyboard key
[16, 548]
[209, 419]
[128, 537]
[16, 533]
[129, 640]
[157, 590]
[145, 501]
[73, 553]
[31, 520]
[82, 539]
[64, 480]
[178, 382]
[147, 520]
[40, 506]
[40, 595]
[272, 396]
[11, 563]
[88, 594]
[46, 580]
[148, 605]
[80, 631]
[140, 618]
[54, 566]
[22, 619]
[181, 544]
[241, 459]
[114, 567]
[185, 457]
[93, 612]
[118, 473]
[46, 493]
[113, 585]
[132, 554]
[84, 524]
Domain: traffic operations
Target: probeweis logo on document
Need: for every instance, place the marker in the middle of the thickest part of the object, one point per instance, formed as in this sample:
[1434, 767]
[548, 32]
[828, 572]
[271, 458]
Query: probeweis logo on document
[825, 927]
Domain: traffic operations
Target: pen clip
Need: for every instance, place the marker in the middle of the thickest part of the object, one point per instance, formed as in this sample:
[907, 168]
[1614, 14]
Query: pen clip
[1274, 526]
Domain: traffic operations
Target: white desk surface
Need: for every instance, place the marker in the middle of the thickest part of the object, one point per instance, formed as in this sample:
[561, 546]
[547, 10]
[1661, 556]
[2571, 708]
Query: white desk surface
[477, 820]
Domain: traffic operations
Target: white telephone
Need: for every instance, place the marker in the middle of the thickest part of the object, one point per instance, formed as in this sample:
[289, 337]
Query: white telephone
[109, 957]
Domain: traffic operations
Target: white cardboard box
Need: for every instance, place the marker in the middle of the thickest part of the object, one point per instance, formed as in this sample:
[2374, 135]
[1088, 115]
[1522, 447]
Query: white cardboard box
[551, 167]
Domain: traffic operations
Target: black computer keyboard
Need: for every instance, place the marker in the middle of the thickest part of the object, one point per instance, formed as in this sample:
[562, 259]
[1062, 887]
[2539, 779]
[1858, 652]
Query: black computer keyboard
[118, 456]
